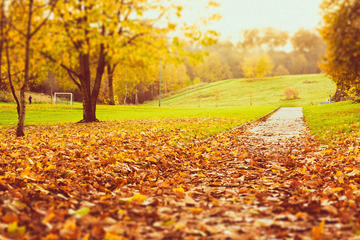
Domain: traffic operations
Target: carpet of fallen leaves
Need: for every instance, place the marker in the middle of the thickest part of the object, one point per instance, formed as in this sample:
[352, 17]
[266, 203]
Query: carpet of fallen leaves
[148, 179]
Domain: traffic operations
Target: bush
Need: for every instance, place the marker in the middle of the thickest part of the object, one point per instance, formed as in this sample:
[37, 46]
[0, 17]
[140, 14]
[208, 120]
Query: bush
[291, 93]
[281, 70]
[6, 97]
[196, 81]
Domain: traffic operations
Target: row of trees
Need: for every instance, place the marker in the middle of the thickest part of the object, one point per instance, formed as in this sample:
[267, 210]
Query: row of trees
[259, 53]
[87, 40]
[337, 49]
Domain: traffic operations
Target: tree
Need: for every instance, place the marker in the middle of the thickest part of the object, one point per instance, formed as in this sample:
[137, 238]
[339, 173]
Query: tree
[263, 66]
[136, 77]
[298, 62]
[249, 39]
[174, 77]
[257, 67]
[268, 38]
[249, 67]
[340, 29]
[3, 26]
[229, 54]
[4, 45]
[89, 35]
[311, 45]
[281, 70]
[26, 18]
[273, 38]
[213, 69]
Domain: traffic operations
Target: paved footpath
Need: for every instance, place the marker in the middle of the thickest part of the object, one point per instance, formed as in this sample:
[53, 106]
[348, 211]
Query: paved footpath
[283, 124]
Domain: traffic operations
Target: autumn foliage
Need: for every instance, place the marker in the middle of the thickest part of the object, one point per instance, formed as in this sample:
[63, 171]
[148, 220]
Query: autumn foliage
[340, 29]
[291, 93]
[153, 179]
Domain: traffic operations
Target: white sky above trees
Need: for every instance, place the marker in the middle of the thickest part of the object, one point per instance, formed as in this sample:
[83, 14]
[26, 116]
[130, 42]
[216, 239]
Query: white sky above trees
[237, 15]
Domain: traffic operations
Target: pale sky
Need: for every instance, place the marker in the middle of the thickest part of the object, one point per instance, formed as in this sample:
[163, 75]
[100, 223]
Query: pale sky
[238, 15]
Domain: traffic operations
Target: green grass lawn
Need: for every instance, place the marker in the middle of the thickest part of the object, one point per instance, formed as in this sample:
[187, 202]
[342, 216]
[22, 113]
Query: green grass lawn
[332, 122]
[41, 113]
[259, 92]
[233, 98]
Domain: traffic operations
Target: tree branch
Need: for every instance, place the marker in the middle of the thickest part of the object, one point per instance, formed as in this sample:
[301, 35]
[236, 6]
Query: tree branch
[14, 74]
[74, 80]
[52, 4]
[18, 30]
[133, 38]
[61, 65]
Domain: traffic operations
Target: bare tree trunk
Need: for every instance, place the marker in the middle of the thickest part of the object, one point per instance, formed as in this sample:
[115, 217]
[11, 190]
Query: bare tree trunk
[51, 79]
[110, 72]
[90, 97]
[88, 115]
[126, 90]
[125, 98]
[10, 80]
[136, 98]
[28, 36]
[2, 35]
[20, 126]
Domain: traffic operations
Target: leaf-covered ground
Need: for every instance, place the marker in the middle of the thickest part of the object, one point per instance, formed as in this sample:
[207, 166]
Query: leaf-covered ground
[151, 179]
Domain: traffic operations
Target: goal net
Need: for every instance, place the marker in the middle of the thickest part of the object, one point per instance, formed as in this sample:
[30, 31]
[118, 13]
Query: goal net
[63, 98]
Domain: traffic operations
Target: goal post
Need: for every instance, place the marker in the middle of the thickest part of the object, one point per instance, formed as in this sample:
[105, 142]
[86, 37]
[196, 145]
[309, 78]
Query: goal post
[63, 98]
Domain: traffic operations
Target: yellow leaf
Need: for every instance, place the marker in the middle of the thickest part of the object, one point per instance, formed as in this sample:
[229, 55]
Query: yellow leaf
[110, 236]
[338, 189]
[51, 166]
[196, 210]
[14, 228]
[151, 159]
[341, 179]
[303, 170]
[86, 237]
[179, 191]
[138, 198]
[318, 231]
[82, 211]
[48, 218]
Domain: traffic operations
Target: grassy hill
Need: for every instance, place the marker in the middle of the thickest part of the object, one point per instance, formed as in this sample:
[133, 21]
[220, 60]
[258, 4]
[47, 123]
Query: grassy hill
[265, 91]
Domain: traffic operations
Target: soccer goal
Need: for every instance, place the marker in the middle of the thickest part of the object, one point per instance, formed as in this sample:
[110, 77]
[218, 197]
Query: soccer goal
[63, 98]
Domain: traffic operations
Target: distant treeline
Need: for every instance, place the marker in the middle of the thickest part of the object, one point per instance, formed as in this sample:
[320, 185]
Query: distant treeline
[258, 53]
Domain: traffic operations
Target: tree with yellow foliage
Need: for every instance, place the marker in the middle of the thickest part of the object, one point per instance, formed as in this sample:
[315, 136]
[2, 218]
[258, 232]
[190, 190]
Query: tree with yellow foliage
[90, 35]
[174, 77]
[25, 22]
[213, 69]
[257, 67]
[340, 29]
